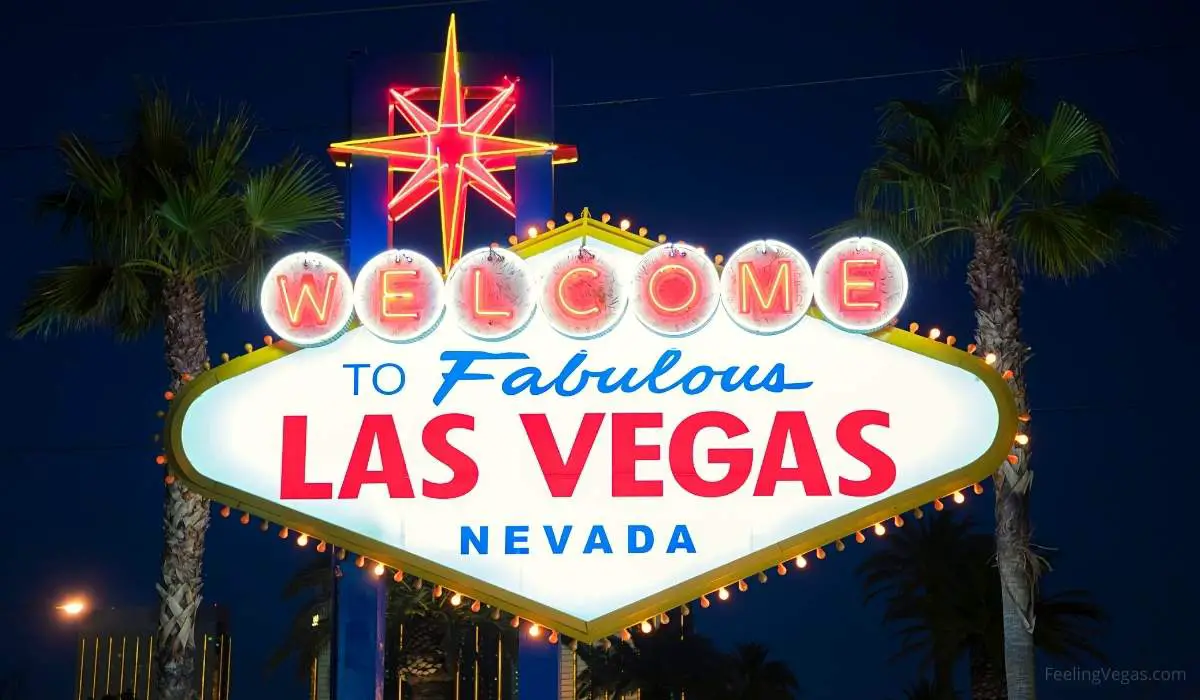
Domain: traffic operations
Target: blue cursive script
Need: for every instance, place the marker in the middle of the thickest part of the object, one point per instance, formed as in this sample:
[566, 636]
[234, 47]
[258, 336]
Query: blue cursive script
[573, 378]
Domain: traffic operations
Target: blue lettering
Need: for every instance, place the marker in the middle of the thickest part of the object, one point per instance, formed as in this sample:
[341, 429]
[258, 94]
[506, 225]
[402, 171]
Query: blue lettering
[681, 539]
[598, 539]
[516, 538]
[468, 538]
[355, 366]
[560, 545]
[375, 378]
[462, 361]
[646, 540]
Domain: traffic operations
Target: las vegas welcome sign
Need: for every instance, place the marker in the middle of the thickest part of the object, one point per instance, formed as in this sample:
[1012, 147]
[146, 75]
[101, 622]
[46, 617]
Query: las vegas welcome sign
[588, 428]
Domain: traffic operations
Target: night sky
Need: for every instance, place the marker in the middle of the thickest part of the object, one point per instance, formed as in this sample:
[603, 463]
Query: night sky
[1110, 380]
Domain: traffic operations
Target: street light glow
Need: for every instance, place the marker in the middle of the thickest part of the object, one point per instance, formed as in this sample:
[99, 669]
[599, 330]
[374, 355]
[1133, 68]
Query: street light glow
[73, 608]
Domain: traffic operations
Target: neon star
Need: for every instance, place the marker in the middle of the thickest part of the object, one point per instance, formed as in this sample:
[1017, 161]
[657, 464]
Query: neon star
[451, 152]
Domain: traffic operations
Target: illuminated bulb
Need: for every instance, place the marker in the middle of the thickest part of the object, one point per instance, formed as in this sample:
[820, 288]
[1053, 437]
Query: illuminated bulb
[224, 357]
[268, 340]
[398, 577]
[550, 225]
[1013, 459]
[978, 489]
[321, 547]
[719, 259]
[723, 594]
[512, 240]
[647, 628]
[972, 347]
[302, 540]
[742, 586]
[437, 591]
[704, 601]
[625, 224]
[248, 347]
[898, 521]
[643, 231]
[1024, 417]
[456, 600]
[379, 569]
[493, 245]
[959, 497]
[701, 249]
[1008, 374]
[515, 622]
[937, 504]
[569, 216]
[185, 377]
[859, 538]
[245, 519]
[161, 459]
[662, 238]
[781, 569]
[990, 358]
[913, 327]
[935, 333]
[360, 562]
[475, 606]
[801, 562]
[1022, 439]
[553, 638]
[169, 395]
[605, 217]
[169, 479]
[880, 529]
[625, 635]
[532, 232]
[820, 553]
[225, 511]
[951, 340]
[283, 533]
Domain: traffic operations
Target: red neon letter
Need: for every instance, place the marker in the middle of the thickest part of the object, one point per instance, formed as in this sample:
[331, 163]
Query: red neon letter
[388, 294]
[781, 287]
[306, 297]
[656, 300]
[883, 469]
[393, 471]
[562, 297]
[626, 453]
[464, 471]
[808, 469]
[292, 483]
[481, 312]
[682, 453]
[859, 287]
[561, 475]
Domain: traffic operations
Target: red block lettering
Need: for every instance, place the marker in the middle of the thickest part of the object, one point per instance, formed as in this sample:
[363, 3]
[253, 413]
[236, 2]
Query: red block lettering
[626, 453]
[561, 476]
[883, 468]
[379, 430]
[792, 425]
[293, 484]
[464, 471]
[682, 455]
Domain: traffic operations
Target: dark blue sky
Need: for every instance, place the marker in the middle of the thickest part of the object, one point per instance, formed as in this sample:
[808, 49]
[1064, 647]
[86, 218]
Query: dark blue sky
[1108, 381]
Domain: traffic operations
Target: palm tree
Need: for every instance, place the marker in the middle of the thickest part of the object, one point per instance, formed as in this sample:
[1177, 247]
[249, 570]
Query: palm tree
[981, 171]
[925, 689]
[756, 676]
[664, 665]
[167, 222]
[938, 580]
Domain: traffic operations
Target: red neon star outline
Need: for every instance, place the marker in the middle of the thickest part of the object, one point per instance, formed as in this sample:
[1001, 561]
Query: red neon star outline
[451, 152]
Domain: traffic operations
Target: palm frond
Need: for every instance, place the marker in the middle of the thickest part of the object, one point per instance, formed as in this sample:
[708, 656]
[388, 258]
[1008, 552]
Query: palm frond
[85, 296]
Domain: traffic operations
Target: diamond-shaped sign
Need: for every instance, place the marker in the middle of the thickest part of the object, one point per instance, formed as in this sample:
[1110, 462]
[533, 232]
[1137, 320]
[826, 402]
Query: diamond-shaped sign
[507, 470]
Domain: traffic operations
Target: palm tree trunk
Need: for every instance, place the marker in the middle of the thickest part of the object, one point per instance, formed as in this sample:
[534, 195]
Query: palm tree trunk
[436, 687]
[995, 284]
[185, 513]
[987, 678]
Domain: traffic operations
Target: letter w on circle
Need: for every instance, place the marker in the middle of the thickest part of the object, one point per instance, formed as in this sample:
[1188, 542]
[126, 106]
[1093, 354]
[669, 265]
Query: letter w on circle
[562, 476]
[307, 297]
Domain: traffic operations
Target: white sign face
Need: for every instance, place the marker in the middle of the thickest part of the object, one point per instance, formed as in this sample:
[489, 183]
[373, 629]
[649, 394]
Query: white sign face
[586, 477]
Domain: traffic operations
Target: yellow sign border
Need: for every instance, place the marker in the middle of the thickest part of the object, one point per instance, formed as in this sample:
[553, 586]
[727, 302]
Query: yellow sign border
[633, 614]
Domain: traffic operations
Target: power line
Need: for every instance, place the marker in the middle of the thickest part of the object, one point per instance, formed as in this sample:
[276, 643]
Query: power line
[146, 446]
[16, 148]
[377, 9]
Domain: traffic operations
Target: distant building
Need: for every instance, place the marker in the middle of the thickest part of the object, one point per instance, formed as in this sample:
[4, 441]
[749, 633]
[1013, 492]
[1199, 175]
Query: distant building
[116, 654]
